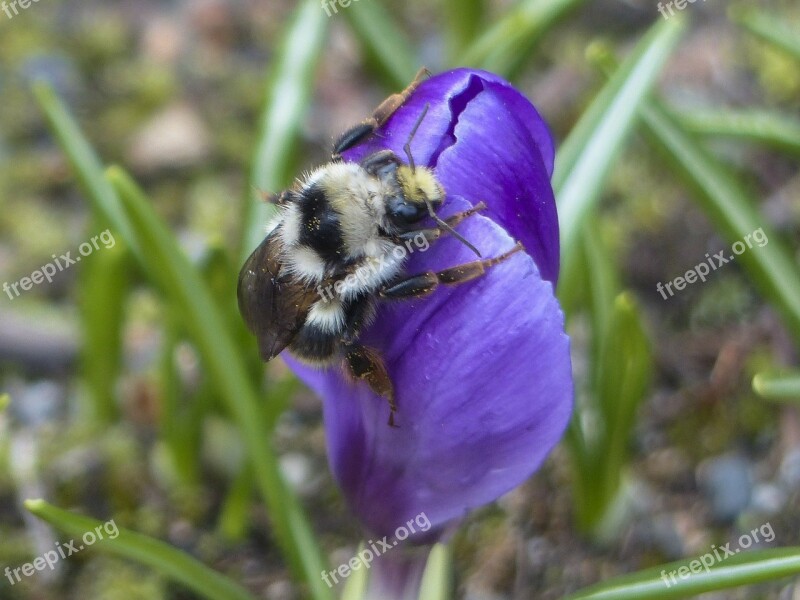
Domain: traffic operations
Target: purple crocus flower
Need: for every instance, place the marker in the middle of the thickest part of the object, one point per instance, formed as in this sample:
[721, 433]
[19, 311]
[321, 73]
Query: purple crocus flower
[481, 370]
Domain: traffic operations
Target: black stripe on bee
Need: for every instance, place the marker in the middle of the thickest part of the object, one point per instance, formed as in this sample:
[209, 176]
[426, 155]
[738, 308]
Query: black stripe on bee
[314, 344]
[320, 228]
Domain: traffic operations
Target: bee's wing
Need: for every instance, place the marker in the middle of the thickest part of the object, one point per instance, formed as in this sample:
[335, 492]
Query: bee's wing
[273, 307]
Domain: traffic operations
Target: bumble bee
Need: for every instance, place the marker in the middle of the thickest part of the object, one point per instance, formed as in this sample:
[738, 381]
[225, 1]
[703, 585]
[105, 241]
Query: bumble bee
[345, 218]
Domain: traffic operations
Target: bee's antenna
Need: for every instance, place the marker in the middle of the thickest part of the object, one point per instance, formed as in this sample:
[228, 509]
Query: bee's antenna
[407, 147]
[444, 225]
[432, 212]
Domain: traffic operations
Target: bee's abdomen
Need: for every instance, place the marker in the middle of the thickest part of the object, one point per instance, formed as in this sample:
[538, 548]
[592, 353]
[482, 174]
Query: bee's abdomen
[318, 338]
[314, 344]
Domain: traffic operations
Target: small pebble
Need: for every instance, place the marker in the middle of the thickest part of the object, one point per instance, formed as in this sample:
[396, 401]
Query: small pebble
[790, 469]
[727, 484]
[768, 499]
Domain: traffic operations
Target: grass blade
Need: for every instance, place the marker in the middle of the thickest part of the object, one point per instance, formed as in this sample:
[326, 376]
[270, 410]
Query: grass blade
[732, 212]
[105, 283]
[179, 278]
[85, 164]
[463, 20]
[623, 369]
[385, 44]
[176, 565]
[506, 46]
[769, 28]
[778, 386]
[769, 128]
[202, 319]
[743, 569]
[586, 157]
[288, 93]
[601, 276]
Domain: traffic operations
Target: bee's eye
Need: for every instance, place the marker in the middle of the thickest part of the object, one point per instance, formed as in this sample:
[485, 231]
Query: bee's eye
[402, 212]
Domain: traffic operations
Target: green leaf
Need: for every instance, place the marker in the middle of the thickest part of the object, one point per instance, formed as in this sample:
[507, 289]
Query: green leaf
[732, 212]
[105, 282]
[745, 568]
[769, 128]
[5, 400]
[176, 565]
[463, 20]
[385, 44]
[622, 374]
[622, 368]
[778, 386]
[85, 164]
[769, 28]
[179, 279]
[585, 158]
[506, 46]
[287, 101]
[601, 276]
[202, 319]
[234, 515]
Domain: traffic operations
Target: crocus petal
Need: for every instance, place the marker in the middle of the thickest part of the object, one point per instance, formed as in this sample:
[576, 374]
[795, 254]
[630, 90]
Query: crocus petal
[481, 370]
[488, 143]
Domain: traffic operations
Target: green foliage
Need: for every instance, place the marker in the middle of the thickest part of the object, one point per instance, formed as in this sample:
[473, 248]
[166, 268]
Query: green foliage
[287, 98]
[123, 205]
[386, 46]
[600, 433]
[105, 285]
[768, 28]
[587, 155]
[778, 386]
[779, 131]
[198, 308]
[506, 47]
[743, 569]
[157, 555]
[732, 211]
[621, 362]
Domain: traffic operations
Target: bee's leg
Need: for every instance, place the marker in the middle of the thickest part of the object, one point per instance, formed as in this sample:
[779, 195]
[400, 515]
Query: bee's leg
[278, 199]
[434, 233]
[417, 286]
[365, 363]
[355, 135]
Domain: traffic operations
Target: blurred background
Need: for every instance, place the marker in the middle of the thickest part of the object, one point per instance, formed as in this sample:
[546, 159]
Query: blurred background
[115, 413]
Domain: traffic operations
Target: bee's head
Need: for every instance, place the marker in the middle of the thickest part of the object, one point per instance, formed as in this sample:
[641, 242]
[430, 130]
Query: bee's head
[420, 188]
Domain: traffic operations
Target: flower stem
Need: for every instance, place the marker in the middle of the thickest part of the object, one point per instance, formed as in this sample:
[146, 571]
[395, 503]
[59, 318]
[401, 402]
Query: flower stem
[397, 575]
